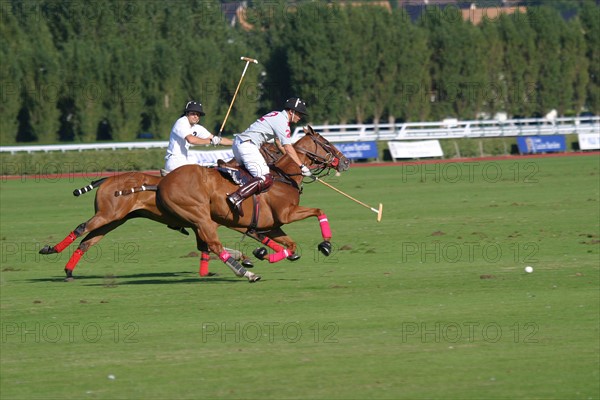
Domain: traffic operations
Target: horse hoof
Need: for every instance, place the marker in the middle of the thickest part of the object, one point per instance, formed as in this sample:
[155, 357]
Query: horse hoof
[293, 257]
[325, 248]
[47, 250]
[260, 253]
[69, 273]
[246, 263]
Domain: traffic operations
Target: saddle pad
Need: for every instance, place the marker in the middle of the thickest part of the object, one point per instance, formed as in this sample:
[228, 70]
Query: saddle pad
[238, 177]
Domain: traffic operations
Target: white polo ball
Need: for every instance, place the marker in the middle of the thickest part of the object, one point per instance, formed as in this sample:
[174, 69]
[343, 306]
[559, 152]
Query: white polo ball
[528, 269]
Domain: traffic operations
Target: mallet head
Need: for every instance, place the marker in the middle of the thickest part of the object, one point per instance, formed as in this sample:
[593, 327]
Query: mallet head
[248, 59]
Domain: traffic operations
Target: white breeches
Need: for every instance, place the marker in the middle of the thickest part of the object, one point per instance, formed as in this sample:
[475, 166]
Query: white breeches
[248, 154]
[174, 162]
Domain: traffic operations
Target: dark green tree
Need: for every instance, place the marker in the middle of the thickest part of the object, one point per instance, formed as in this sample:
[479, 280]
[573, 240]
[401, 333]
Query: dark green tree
[318, 63]
[494, 85]
[521, 64]
[77, 96]
[268, 41]
[457, 54]
[40, 82]
[108, 70]
[365, 44]
[547, 25]
[11, 75]
[573, 69]
[590, 19]
[410, 100]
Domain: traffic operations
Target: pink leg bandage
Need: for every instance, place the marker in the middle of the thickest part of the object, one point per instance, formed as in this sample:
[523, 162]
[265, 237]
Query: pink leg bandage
[325, 230]
[224, 256]
[204, 258]
[74, 259]
[280, 255]
[65, 242]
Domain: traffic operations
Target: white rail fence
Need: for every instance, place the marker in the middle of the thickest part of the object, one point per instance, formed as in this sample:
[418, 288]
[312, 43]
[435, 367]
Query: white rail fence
[454, 129]
[447, 129]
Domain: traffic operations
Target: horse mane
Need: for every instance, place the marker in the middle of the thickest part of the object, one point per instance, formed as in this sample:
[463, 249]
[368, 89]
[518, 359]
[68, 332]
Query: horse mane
[308, 131]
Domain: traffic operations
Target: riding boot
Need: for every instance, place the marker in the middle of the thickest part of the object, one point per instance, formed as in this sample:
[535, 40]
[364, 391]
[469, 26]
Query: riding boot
[254, 185]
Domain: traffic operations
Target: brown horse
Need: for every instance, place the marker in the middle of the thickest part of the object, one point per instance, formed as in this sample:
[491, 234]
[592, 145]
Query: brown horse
[112, 211]
[197, 196]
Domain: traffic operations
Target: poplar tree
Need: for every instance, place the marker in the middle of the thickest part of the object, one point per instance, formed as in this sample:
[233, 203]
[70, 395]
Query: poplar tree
[494, 85]
[109, 70]
[590, 17]
[11, 76]
[318, 64]
[573, 69]
[520, 64]
[547, 25]
[411, 82]
[457, 53]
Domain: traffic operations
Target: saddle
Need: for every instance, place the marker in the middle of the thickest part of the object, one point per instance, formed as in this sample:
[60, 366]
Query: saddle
[238, 173]
[233, 171]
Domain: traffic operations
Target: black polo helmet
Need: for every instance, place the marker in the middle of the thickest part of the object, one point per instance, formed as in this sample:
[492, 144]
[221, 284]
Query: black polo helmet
[193, 106]
[296, 104]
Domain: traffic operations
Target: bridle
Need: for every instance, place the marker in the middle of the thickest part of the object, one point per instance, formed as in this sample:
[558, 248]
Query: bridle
[320, 164]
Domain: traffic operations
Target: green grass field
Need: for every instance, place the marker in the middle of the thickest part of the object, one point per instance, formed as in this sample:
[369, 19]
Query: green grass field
[433, 302]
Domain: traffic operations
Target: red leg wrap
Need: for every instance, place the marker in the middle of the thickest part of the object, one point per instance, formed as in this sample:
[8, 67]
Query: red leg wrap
[74, 259]
[65, 243]
[204, 258]
[325, 230]
[272, 244]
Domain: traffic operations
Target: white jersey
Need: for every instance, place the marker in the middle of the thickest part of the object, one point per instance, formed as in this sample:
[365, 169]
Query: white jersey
[177, 152]
[272, 125]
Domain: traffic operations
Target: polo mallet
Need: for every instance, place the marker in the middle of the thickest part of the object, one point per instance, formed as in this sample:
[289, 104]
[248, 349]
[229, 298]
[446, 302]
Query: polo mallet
[248, 61]
[375, 210]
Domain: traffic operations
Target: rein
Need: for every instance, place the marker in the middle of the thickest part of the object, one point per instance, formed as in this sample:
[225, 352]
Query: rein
[284, 177]
[320, 163]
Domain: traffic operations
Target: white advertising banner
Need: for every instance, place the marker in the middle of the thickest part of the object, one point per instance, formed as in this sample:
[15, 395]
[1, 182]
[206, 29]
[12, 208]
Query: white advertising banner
[589, 141]
[415, 149]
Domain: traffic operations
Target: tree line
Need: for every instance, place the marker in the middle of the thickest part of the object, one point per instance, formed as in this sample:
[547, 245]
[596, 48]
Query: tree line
[114, 69]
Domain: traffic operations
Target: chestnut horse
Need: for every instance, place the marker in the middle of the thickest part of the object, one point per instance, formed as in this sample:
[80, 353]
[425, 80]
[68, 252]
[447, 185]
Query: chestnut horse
[112, 211]
[197, 196]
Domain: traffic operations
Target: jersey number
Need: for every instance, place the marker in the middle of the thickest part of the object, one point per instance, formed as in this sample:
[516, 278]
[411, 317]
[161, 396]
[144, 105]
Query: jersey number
[273, 114]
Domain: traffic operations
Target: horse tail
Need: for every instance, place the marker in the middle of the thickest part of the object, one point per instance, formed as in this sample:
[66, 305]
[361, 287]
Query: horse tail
[137, 189]
[90, 187]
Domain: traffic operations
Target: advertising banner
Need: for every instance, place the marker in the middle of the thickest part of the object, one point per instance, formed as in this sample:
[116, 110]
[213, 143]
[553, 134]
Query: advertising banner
[589, 141]
[541, 144]
[358, 150]
[415, 149]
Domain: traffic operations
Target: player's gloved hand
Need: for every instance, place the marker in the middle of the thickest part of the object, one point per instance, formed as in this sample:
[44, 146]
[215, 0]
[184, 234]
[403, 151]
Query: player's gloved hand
[215, 140]
[305, 171]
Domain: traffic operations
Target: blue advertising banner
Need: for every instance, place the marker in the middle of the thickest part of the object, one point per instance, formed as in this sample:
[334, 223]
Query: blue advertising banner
[357, 150]
[541, 144]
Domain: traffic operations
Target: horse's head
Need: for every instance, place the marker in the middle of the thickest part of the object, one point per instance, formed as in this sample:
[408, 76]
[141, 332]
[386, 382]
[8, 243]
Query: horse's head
[321, 154]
